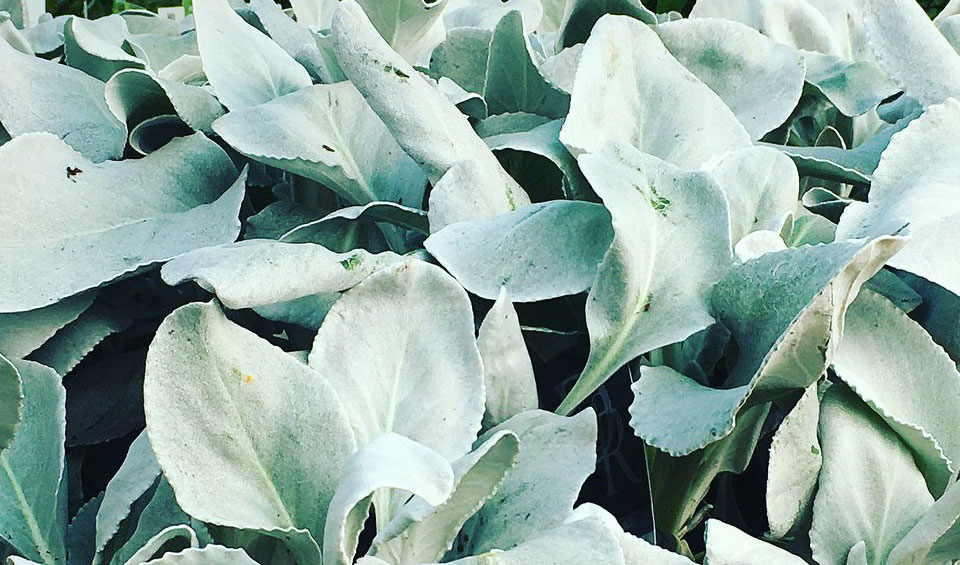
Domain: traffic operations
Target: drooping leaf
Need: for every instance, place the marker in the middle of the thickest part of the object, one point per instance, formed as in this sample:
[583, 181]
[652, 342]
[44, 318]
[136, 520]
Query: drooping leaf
[329, 134]
[423, 380]
[23, 332]
[391, 461]
[38, 95]
[180, 535]
[526, 251]
[93, 223]
[134, 96]
[248, 436]
[99, 47]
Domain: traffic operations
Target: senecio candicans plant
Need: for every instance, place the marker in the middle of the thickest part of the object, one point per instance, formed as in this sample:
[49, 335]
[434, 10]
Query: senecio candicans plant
[311, 276]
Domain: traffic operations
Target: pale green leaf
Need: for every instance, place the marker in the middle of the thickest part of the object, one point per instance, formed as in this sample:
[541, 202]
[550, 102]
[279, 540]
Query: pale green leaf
[794, 465]
[209, 555]
[757, 78]
[557, 454]
[410, 27]
[23, 332]
[99, 47]
[870, 488]
[329, 134]
[509, 383]
[32, 518]
[727, 545]
[893, 364]
[580, 16]
[173, 534]
[644, 297]
[422, 532]
[935, 538]
[536, 252]
[11, 402]
[93, 223]
[134, 96]
[38, 95]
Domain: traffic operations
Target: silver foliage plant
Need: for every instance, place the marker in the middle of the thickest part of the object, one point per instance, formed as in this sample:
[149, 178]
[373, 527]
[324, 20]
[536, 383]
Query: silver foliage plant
[759, 202]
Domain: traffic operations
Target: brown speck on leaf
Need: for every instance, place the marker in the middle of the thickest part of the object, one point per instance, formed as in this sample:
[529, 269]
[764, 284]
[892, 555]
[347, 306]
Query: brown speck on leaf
[72, 172]
[327, 148]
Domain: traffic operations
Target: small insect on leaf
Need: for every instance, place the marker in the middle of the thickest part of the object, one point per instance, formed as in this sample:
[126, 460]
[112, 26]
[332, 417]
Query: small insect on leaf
[73, 172]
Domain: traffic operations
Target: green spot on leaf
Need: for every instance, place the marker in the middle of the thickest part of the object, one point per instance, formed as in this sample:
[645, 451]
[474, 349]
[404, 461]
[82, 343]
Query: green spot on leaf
[351, 262]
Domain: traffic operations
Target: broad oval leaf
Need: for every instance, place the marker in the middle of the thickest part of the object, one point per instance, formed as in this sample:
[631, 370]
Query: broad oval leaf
[537, 252]
[627, 89]
[248, 436]
[400, 351]
[245, 67]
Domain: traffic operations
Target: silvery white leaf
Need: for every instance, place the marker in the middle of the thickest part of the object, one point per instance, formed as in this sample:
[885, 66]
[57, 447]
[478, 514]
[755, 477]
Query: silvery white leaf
[376, 344]
[221, 404]
[727, 545]
[23, 332]
[245, 67]
[209, 555]
[627, 89]
[99, 47]
[391, 461]
[38, 95]
[134, 95]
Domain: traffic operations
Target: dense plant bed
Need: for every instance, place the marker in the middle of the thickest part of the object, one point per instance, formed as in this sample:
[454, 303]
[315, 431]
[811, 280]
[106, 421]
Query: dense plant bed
[522, 282]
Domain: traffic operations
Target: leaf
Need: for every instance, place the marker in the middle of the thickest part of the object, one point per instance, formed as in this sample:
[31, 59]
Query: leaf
[410, 27]
[797, 23]
[643, 298]
[935, 537]
[376, 344]
[95, 417]
[329, 134]
[160, 513]
[583, 541]
[870, 487]
[38, 95]
[462, 57]
[510, 385]
[727, 545]
[221, 404]
[913, 186]
[136, 475]
[557, 454]
[98, 224]
[580, 17]
[80, 533]
[406, 217]
[757, 78]
[514, 84]
[156, 544]
[23, 332]
[637, 550]
[426, 125]
[389, 461]
[910, 49]
[294, 37]
[99, 47]
[785, 310]
[893, 364]
[794, 465]
[72, 343]
[761, 187]
[33, 516]
[245, 67]
[854, 87]
[11, 402]
[627, 89]
[422, 532]
[535, 252]
[209, 555]
[135, 96]
[262, 272]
